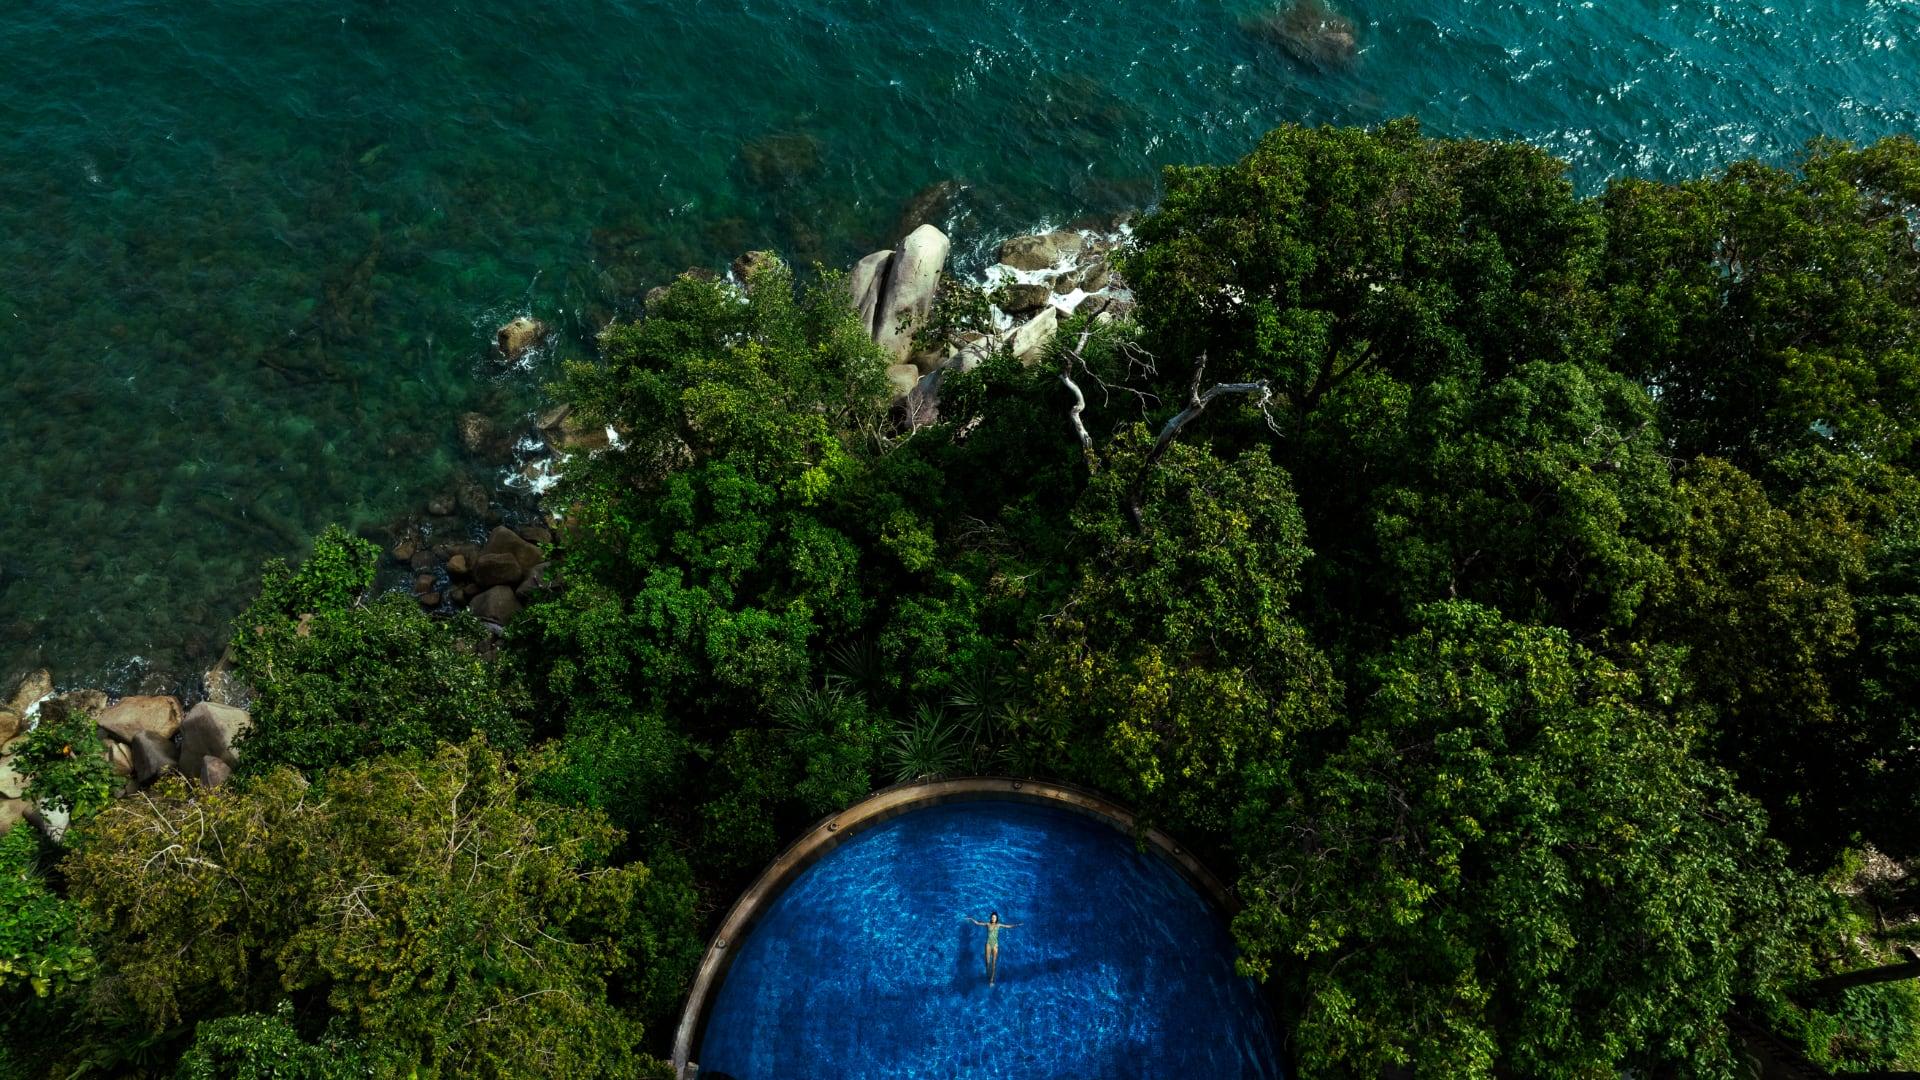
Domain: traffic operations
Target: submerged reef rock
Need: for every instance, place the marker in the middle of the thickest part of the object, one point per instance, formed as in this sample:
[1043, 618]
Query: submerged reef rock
[1311, 32]
[781, 160]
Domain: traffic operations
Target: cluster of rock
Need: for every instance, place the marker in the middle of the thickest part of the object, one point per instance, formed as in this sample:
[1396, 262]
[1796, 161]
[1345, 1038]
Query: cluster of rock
[493, 580]
[142, 737]
[1038, 280]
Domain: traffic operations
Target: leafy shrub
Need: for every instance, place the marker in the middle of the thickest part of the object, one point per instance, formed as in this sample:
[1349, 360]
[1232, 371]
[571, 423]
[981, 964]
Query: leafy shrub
[253, 1046]
[337, 679]
[64, 765]
[40, 952]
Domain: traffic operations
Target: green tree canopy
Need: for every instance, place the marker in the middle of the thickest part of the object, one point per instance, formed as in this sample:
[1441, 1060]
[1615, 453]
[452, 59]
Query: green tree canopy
[457, 926]
[1177, 670]
[1775, 309]
[1514, 865]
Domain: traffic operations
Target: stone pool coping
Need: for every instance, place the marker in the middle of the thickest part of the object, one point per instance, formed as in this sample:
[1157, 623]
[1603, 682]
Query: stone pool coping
[830, 831]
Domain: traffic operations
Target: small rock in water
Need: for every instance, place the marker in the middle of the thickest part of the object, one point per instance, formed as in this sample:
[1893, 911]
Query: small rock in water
[422, 560]
[781, 160]
[535, 534]
[60, 706]
[403, 551]
[441, 505]
[458, 564]
[472, 498]
[479, 435]
[429, 600]
[752, 263]
[929, 206]
[518, 337]
[423, 583]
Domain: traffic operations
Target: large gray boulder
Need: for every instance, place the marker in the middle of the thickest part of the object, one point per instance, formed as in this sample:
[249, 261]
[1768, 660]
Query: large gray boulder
[496, 605]
[131, 715]
[152, 757]
[498, 568]
[212, 772]
[1034, 334]
[1041, 252]
[209, 730]
[865, 282]
[35, 686]
[907, 296]
[504, 541]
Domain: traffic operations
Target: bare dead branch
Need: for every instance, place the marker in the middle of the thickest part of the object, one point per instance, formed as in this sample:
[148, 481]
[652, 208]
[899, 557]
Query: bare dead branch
[1197, 403]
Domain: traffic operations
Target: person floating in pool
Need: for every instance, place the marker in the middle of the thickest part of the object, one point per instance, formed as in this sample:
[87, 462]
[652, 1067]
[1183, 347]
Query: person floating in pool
[994, 926]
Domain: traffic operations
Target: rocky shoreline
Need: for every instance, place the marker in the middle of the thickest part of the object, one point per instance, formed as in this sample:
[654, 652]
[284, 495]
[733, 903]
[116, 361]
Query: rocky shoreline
[142, 737]
[483, 548]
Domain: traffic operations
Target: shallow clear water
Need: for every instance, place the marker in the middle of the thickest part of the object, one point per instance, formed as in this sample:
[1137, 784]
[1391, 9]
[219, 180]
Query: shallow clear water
[251, 251]
[865, 967]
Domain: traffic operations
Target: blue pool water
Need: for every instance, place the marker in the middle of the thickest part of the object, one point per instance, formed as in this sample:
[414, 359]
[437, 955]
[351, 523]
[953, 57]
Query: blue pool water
[252, 251]
[864, 968]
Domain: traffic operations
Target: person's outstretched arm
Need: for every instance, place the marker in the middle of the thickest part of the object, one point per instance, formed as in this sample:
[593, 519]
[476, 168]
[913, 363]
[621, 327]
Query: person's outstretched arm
[975, 921]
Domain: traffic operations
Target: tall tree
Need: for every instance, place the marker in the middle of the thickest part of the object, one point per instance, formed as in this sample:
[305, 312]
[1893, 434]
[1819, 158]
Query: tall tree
[1177, 674]
[1775, 309]
[1514, 865]
[453, 924]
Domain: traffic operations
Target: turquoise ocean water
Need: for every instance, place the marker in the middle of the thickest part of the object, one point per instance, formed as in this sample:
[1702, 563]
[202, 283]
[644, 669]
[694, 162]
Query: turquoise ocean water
[251, 251]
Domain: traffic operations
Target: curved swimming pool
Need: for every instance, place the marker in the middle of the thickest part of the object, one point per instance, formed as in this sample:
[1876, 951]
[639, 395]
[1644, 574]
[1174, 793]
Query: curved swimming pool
[865, 966]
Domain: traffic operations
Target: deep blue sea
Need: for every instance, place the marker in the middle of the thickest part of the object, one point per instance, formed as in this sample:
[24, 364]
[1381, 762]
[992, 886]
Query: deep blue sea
[251, 251]
[866, 968]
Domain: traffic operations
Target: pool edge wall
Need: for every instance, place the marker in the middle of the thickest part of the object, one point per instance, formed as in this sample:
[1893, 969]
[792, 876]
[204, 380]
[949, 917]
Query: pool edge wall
[829, 832]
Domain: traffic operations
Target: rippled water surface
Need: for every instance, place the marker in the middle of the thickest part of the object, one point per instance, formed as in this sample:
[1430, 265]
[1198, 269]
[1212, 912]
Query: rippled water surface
[865, 967]
[251, 251]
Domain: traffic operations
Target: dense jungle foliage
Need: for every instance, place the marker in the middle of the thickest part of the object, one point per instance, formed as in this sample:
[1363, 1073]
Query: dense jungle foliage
[1533, 634]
